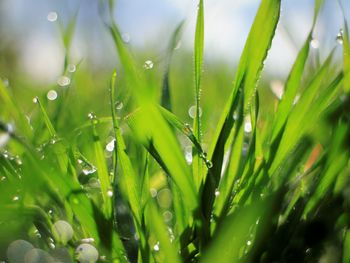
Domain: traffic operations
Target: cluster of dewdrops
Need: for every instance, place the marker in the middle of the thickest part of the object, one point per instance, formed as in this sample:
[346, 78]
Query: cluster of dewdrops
[22, 251]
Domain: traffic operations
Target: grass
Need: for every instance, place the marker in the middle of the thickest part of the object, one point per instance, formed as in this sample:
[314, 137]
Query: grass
[270, 186]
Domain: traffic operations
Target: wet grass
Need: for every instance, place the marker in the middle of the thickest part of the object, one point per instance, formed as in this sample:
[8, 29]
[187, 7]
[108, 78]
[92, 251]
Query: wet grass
[138, 183]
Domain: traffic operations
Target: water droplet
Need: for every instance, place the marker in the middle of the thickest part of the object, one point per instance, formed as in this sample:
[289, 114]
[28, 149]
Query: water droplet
[88, 170]
[6, 82]
[249, 243]
[148, 64]
[63, 81]
[192, 111]
[164, 198]
[110, 146]
[248, 127]
[126, 38]
[3, 178]
[15, 198]
[17, 250]
[51, 95]
[167, 215]
[93, 118]
[64, 230]
[52, 16]
[314, 43]
[119, 105]
[156, 247]
[277, 87]
[189, 157]
[88, 240]
[296, 99]
[4, 138]
[208, 163]
[110, 193]
[35, 100]
[86, 253]
[217, 192]
[153, 192]
[71, 68]
[340, 37]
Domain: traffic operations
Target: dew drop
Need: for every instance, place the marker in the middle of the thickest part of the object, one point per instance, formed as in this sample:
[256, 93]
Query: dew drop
[217, 192]
[35, 100]
[64, 230]
[17, 250]
[249, 243]
[315, 43]
[167, 215]
[189, 157]
[51, 95]
[63, 81]
[5, 81]
[247, 127]
[4, 138]
[86, 253]
[153, 192]
[164, 198]
[88, 240]
[277, 88]
[126, 38]
[110, 146]
[15, 198]
[71, 68]
[88, 170]
[148, 64]
[156, 247]
[119, 105]
[340, 37]
[52, 16]
[192, 111]
[110, 193]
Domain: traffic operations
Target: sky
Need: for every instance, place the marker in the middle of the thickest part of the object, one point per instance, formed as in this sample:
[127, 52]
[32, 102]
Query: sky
[149, 23]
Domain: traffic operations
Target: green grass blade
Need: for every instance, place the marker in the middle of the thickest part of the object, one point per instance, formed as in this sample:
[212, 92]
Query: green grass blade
[346, 58]
[11, 107]
[128, 175]
[234, 231]
[160, 232]
[291, 88]
[346, 251]
[250, 66]
[153, 132]
[102, 172]
[197, 164]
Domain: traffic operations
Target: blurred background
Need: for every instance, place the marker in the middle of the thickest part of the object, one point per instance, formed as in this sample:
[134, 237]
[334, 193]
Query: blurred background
[32, 53]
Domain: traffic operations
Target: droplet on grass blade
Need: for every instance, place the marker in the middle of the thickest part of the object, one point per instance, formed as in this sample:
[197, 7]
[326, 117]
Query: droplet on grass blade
[148, 64]
[314, 43]
[110, 146]
[192, 111]
[17, 250]
[63, 81]
[71, 68]
[340, 37]
[64, 230]
[277, 88]
[51, 95]
[156, 247]
[86, 253]
[119, 105]
[35, 100]
[164, 198]
[52, 16]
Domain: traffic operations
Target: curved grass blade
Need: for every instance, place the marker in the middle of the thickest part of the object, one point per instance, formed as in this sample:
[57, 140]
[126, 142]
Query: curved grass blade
[250, 66]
